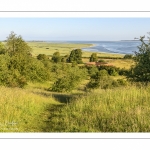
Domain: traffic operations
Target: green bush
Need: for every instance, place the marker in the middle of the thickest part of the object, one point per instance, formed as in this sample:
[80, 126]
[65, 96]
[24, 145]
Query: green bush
[93, 70]
[56, 57]
[2, 48]
[69, 80]
[128, 56]
[93, 57]
[42, 57]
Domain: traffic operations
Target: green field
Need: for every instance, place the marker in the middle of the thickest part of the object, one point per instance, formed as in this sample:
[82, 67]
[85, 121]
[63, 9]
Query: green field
[64, 49]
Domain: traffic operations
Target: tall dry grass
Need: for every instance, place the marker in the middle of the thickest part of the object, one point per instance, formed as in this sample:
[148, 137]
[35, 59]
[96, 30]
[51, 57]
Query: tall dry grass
[21, 110]
[118, 110]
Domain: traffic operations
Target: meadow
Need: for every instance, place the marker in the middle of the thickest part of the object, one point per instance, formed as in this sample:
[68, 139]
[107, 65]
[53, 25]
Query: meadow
[124, 109]
[35, 108]
[64, 49]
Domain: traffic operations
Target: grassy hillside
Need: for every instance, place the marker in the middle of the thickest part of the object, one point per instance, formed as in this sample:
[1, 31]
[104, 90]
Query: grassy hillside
[21, 110]
[35, 109]
[118, 110]
[124, 109]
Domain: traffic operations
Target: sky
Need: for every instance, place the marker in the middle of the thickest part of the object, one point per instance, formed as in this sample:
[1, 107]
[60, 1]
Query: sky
[75, 29]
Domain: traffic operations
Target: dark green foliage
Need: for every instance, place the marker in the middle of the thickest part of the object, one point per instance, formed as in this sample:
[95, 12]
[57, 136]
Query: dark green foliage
[64, 59]
[97, 79]
[124, 71]
[75, 56]
[69, 80]
[128, 56]
[93, 70]
[42, 57]
[93, 57]
[102, 80]
[141, 71]
[2, 48]
[112, 70]
[56, 57]
[17, 67]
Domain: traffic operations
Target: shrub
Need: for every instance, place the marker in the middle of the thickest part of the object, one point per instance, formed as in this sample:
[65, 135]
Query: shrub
[70, 79]
[93, 70]
[128, 56]
[93, 57]
[42, 57]
[56, 57]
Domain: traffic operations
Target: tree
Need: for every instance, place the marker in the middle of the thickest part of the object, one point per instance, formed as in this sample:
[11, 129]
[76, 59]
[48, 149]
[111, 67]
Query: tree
[2, 48]
[56, 57]
[17, 67]
[15, 44]
[128, 56]
[75, 56]
[141, 71]
[42, 57]
[93, 57]
[69, 78]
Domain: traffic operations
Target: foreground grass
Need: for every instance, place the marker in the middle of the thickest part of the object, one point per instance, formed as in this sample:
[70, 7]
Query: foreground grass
[123, 109]
[22, 110]
[117, 110]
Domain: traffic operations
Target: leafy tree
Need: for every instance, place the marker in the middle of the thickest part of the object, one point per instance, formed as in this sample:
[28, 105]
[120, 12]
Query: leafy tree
[2, 48]
[93, 57]
[141, 71]
[15, 45]
[75, 56]
[42, 57]
[56, 57]
[17, 67]
[70, 79]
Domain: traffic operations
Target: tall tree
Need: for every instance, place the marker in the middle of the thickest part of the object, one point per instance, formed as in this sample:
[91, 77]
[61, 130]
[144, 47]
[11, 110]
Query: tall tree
[93, 57]
[15, 44]
[75, 56]
[2, 48]
[141, 70]
[56, 57]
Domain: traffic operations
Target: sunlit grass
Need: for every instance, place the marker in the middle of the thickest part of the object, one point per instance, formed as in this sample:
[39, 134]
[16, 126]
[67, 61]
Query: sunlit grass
[64, 49]
[118, 110]
[21, 109]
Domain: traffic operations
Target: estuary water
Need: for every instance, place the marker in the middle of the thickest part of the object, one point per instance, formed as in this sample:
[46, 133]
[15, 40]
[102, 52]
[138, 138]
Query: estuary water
[120, 47]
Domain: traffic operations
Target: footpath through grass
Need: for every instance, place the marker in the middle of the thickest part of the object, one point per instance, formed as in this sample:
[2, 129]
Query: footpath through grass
[114, 110]
[123, 109]
[22, 110]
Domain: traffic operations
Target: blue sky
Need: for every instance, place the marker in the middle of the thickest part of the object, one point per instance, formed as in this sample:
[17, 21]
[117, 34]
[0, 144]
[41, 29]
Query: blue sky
[88, 29]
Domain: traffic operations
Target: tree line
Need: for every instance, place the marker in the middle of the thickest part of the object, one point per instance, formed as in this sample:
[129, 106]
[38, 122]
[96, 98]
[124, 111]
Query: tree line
[18, 67]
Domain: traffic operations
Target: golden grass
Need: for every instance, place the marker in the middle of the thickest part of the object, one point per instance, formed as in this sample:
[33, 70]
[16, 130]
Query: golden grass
[21, 109]
[121, 63]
